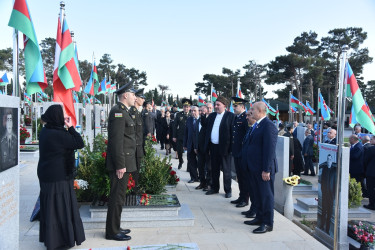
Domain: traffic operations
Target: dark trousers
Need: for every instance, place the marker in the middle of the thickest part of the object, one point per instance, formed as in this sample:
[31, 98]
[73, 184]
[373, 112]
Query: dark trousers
[220, 162]
[180, 150]
[201, 168]
[116, 201]
[135, 174]
[208, 170]
[370, 183]
[192, 165]
[309, 165]
[263, 196]
[242, 178]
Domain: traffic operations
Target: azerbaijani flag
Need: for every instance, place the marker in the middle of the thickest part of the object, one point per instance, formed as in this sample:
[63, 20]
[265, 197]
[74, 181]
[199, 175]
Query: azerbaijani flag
[277, 115]
[360, 110]
[294, 102]
[309, 108]
[324, 109]
[113, 87]
[39, 96]
[270, 110]
[293, 109]
[372, 116]
[239, 92]
[20, 19]
[201, 101]
[108, 86]
[75, 97]
[214, 95]
[4, 80]
[102, 87]
[27, 98]
[93, 84]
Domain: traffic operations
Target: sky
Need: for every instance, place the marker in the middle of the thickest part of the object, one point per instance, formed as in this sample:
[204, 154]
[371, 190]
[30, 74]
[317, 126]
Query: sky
[177, 42]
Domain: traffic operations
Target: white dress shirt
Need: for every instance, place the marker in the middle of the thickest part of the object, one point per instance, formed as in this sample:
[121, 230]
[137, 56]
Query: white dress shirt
[215, 128]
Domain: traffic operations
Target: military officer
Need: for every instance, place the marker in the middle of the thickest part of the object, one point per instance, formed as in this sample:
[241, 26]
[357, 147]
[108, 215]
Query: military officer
[135, 112]
[179, 128]
[8, 144]
[121, 159]
[239, 129]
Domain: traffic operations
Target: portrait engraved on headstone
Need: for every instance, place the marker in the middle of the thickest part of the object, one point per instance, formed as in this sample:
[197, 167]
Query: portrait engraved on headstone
[9, 138]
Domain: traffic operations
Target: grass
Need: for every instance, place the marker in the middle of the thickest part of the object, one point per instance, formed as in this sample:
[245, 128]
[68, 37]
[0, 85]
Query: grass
[302, 181]
[308, 223]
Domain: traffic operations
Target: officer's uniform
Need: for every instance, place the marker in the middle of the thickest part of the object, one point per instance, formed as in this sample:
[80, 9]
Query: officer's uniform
[121, 153]
[8, 152]
[179, 126]
[148, 123]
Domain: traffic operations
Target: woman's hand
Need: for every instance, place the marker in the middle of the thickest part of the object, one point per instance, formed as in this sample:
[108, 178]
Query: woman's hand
[68, 121]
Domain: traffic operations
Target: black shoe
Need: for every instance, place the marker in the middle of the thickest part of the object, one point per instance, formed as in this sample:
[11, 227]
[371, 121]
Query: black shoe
[118, 237]
[236, 201]
[124, 231]
[253, 222]
[369, 207]
[242, 204]
[209, 192]
[263, 229]
[228, 195]
[179, 165]
[245, 212]
[312, 174]
[250, 215]
[200, 186]
[191, 181]
[206, 188]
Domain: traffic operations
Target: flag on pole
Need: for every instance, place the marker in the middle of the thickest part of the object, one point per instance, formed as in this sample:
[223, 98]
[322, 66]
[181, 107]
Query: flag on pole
[68, 71]
[27, 98]
[20, 19]
[113, 87]
[277, 115]
[40, 98]
[96, 100]
[231, 107]
[214, 95]
[270, 110]
[108, 86]
[293, 109]
[360, 110]
[152, 102]
[102, 87]
[201, 101]
[75, 97]
[93, 84]
[60, 92]
[4, 80]
[324, 109]
[296, 103]
[239, 92]
[372, 116]
[309, 108]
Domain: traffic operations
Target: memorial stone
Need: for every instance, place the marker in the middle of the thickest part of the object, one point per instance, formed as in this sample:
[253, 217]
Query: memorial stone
[282, 156]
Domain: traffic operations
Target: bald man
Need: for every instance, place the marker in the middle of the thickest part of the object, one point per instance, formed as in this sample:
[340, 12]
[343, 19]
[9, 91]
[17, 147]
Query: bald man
[331, 137]
[262, 165]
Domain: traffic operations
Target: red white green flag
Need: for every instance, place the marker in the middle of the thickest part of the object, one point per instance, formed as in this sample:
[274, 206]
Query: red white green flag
[20, 19]
[360, 110]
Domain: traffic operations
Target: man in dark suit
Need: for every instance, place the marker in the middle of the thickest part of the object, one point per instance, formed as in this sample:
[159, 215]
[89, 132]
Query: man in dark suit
[331, 136]
[356, 169]
[308, 152]
[366, 145]
[239, 129]
[148, 120]
[218, 142]
[179, 124]
[199, 138]
[121, 159]
[262, 164]
[189, 136]
[9, 143]
[369, 163]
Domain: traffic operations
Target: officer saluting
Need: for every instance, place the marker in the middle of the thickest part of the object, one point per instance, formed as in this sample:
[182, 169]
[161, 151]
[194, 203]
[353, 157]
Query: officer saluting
[179, 128]
[135, 112]
[121, 159]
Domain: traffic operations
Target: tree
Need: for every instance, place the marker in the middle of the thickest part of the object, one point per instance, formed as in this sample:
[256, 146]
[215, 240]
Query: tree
[251, 80]
[6, 59]
[47, 51]
[233, 77]
[221, 84]
[106, 67]
[369, 94]
[331, 46]
[163, 89]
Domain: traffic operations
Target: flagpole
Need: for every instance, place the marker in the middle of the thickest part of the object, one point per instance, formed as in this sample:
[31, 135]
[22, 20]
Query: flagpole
[15, 63]
[340, 140]
[290, 111]
[212, 88]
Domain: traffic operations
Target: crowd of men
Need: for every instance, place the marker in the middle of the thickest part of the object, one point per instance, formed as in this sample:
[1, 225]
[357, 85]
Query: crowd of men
[214, 138]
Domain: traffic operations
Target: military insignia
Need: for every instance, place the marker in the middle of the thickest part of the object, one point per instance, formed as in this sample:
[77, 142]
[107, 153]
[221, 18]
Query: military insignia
[133, 116]
[118, 114]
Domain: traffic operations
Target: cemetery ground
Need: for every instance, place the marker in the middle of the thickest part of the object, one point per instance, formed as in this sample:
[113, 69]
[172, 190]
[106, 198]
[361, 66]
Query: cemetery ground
[218, 224]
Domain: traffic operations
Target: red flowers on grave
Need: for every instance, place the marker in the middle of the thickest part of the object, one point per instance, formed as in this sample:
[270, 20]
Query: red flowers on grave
[173, 178]
[365, 233]
[106, 142]
[154, 139]
[131, 184]
[145, 199]
[104, 154]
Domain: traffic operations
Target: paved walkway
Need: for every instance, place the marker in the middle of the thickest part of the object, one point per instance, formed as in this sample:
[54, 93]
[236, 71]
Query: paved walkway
[218, 224]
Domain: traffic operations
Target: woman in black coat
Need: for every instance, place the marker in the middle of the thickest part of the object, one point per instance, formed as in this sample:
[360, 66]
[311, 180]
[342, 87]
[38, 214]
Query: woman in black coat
[166, 131]
[60, 222]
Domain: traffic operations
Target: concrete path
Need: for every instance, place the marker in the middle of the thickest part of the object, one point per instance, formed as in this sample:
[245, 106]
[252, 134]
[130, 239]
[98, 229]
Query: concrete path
[218, 224]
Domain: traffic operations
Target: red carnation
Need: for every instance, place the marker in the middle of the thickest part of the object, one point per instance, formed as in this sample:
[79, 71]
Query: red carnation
[104, 154]
[106, 142]
[172, 172]
[178, 179]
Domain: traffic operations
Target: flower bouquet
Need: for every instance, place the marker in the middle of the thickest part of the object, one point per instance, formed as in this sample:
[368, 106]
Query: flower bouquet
[172, 178]
[24, 134]
[364, 233]
[292, 180]
[131, 184]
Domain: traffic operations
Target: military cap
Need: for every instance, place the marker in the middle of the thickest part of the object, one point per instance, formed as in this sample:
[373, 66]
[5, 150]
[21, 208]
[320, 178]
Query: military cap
[187, 102]
[126, 88]
[289, 125]
[175, 106]
[223, 100]
[237, 100]
[139, 93]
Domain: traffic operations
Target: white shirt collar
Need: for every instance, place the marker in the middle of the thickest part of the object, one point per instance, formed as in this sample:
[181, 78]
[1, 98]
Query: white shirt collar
[261, 119]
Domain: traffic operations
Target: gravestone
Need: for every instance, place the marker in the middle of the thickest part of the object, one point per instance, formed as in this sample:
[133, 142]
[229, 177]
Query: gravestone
[88, 130]
[282, 156]
[100, 118]
[9, 172]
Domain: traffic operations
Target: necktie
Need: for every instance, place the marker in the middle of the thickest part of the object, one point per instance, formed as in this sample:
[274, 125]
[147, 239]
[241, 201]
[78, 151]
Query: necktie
[254, 127]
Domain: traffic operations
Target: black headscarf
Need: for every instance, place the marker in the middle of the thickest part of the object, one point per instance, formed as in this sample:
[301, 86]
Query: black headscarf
[54, 117]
